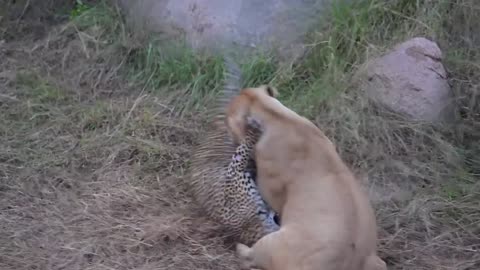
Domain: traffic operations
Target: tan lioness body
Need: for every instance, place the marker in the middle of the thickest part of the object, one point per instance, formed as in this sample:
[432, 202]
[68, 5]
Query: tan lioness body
[327, 222]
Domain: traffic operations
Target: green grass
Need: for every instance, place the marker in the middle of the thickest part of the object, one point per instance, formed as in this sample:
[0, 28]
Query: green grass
[78, 9]
[102, 15]
[174, 69]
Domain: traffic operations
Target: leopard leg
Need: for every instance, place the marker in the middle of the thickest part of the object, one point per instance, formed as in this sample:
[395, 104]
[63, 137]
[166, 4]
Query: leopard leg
[242, 194]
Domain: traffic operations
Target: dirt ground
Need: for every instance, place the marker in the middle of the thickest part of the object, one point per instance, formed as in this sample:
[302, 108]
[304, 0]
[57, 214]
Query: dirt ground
[92, 170]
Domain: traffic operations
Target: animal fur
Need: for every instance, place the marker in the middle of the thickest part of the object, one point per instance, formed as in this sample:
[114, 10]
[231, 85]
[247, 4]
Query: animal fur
[223, 198]
[327, 220]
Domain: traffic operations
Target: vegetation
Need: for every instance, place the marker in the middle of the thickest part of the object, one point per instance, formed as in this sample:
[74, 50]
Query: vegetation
[98, 122]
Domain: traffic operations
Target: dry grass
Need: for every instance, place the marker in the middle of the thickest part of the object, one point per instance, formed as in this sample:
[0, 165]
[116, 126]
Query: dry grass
[92, 181]
[92, 161]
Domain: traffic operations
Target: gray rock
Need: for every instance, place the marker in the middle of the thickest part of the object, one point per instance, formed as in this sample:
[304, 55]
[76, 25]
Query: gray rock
[410, 80]
[222, 24]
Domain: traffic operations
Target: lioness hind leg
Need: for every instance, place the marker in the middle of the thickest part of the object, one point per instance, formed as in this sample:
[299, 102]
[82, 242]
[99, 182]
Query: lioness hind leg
[373, 262]
[260, 255]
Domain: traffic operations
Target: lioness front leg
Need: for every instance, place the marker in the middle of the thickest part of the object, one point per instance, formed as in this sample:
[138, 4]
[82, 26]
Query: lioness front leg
[260, 255]
[245, 255]
[373, 262]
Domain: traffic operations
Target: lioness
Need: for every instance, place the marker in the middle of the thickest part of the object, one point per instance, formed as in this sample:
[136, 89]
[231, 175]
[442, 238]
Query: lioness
[327, 222]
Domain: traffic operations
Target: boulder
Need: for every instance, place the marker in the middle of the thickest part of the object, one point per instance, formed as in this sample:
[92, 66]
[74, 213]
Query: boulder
[222, 24]
[410, 80]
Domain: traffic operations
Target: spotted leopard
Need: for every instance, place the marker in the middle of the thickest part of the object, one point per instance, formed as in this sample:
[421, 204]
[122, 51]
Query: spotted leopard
[242, 171]
[222, 175]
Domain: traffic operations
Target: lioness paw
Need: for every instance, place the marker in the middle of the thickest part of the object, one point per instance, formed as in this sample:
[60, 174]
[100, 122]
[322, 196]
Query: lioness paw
[243, 251]
[244, 256]
[373, 262]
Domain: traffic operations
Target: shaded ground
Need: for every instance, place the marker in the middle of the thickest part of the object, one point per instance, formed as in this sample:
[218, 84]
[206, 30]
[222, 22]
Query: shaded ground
[92, 163]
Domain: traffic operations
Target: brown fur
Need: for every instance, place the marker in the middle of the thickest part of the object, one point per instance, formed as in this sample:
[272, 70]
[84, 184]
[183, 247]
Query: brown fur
[327, 220]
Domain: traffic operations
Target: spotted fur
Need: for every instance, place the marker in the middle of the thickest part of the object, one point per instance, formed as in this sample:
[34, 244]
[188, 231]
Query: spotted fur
[223, 175]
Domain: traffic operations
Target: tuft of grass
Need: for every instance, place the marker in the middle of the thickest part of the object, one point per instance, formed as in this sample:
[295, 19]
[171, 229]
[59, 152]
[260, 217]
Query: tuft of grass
[259, 69]
[78, 9]
[99, 116]
[191, 80]
[101, 22]
[41, 90]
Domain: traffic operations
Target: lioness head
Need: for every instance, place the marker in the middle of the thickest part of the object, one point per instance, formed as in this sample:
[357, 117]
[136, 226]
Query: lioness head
[239, 109]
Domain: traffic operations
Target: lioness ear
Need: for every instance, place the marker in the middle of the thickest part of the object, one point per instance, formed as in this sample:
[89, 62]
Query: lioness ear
[271, 91]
